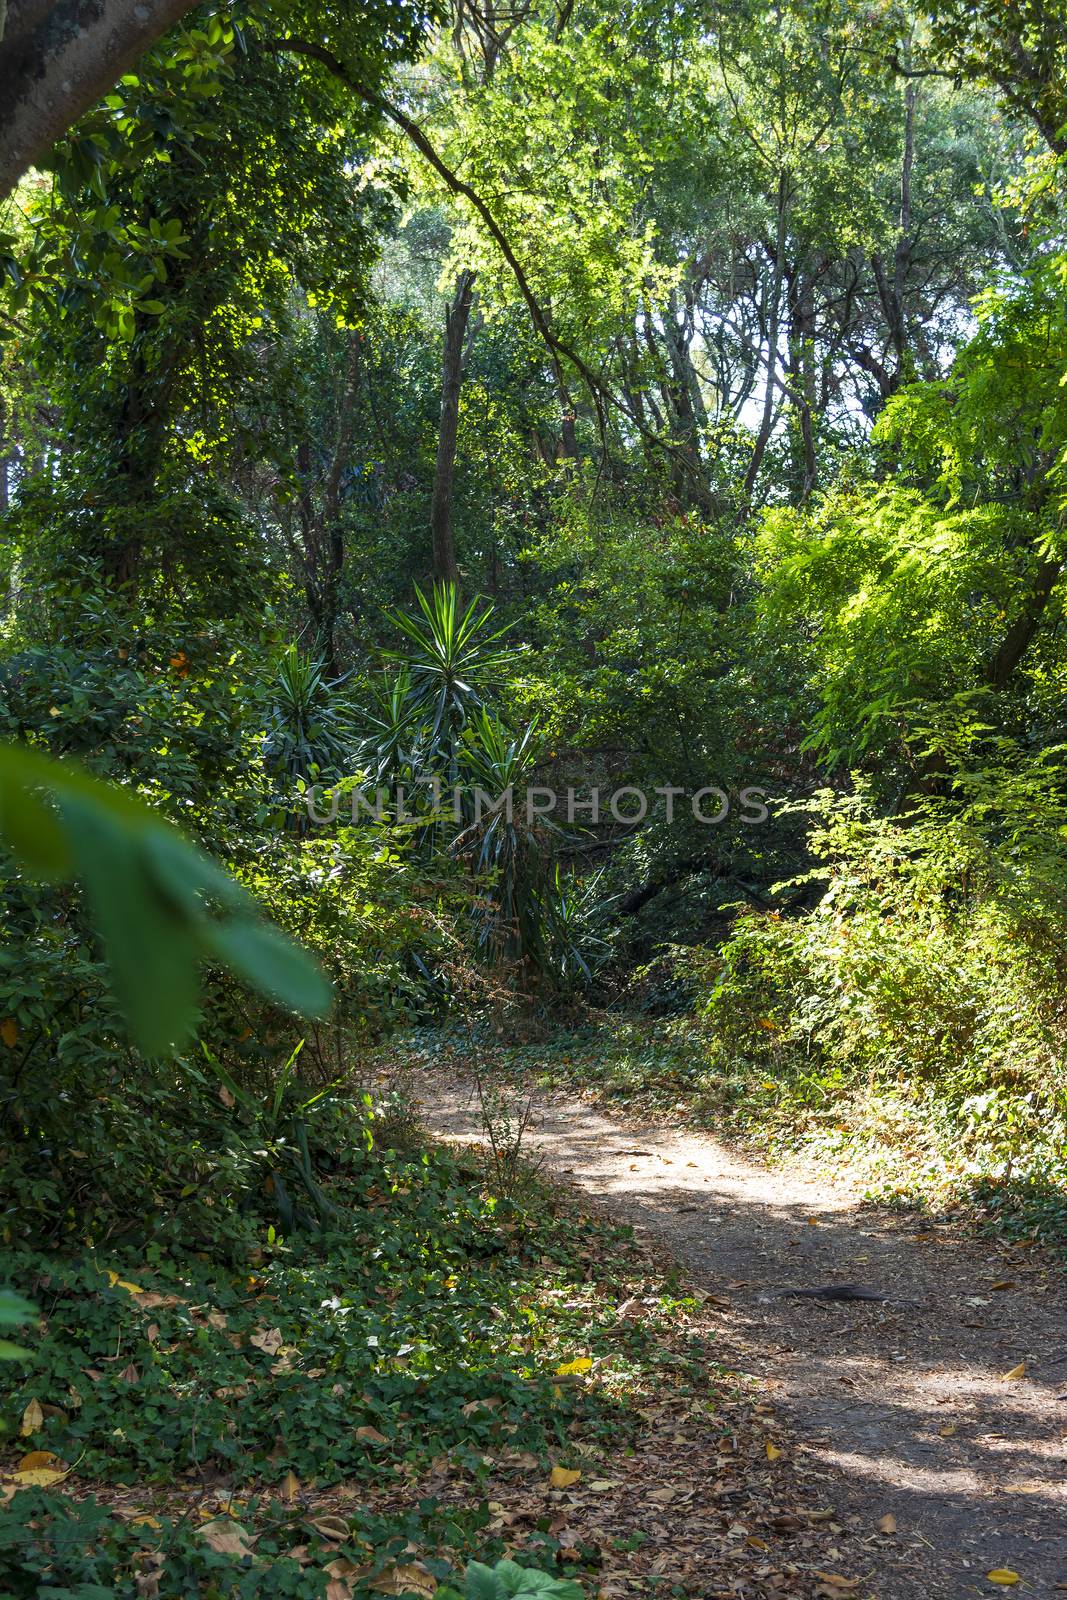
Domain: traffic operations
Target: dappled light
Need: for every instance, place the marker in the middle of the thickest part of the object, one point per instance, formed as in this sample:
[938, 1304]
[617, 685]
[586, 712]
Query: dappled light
[533, 799]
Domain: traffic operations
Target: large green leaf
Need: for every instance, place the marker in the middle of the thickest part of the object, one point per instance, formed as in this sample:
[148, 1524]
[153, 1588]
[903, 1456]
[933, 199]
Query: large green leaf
[158, 903]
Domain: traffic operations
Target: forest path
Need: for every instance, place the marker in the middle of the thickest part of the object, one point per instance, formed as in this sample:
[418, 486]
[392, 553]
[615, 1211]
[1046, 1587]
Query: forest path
[906, 1400]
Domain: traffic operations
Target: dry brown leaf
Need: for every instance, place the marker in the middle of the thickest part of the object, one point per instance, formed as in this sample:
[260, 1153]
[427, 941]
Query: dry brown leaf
[269, 1340]
[37, 1459]
[32, 1419]
[410, 1578]
[226, 1537]
[888, 1523]
[330, 1527]
[372, 1435]
[836, 1581]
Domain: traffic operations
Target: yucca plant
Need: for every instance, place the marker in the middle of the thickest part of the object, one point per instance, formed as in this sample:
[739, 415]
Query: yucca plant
[451, 658]
[309, 730]
[502, 849]
[391, 748]
[574, 922]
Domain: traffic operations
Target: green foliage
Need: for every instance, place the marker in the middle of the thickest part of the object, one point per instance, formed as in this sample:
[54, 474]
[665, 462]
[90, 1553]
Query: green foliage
[310, 730]
[152, 896]
[425, 1320]
[508, 1579]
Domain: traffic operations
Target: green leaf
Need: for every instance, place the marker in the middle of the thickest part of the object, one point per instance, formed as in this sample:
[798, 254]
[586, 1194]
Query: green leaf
[271, 963]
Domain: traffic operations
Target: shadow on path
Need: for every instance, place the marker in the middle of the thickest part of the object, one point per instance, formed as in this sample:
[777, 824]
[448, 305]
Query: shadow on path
[905, 1401]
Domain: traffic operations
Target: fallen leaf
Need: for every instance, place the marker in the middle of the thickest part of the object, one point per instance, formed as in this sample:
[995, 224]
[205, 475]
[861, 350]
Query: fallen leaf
[32, 1419]
[372, 1434]
[411, 1578]
[563, 1477]
[330, 1527]
[948, 1430]
[1003, 1575]
[773, 1452]
[38, 1477]
[9, 1032]
[290, 1487]
[1008, 1377]
[836, 1581]
[226, 1537]
[269, 1340]
[37, 1459]
[888, 1523]
[579, 1364]
[122, 1283]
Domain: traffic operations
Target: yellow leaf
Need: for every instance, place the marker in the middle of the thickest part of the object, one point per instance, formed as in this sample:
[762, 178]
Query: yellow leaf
[144, 1522]
[1016, 1372]
[579, 1364]
[9, 1032]
[888, 1523]
[1003, 1575]
[948, 1430]
[121, 1283]
[773, 1452]
[290, 1488]
[37, 1459]
[38, 1477]
[32, 1419]
[562, 1477]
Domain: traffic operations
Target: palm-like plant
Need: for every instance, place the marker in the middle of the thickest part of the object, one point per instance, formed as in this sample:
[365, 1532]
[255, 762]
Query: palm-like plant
[450, 658]
[573, 919]
[309, 728]
[500, 846]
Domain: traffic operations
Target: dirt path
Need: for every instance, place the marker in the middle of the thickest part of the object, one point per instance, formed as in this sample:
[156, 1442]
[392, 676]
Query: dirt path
[907, 1399]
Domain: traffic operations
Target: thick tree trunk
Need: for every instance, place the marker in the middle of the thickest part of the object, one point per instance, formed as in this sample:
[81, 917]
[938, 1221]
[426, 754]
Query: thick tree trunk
[56, 60]
[766, 427]
[443, 544]
[1019, 636]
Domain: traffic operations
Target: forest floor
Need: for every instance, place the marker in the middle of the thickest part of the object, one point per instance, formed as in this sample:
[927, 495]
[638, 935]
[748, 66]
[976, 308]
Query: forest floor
[937, 1414]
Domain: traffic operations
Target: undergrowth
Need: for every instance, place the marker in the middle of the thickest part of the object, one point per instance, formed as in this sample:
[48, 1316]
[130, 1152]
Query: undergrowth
[184, 1416]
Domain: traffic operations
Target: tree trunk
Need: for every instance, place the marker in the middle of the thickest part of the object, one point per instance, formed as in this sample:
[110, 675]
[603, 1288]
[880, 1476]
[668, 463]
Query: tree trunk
[443, 544]
[763, 437]
[57, 60]
[1017, 640]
